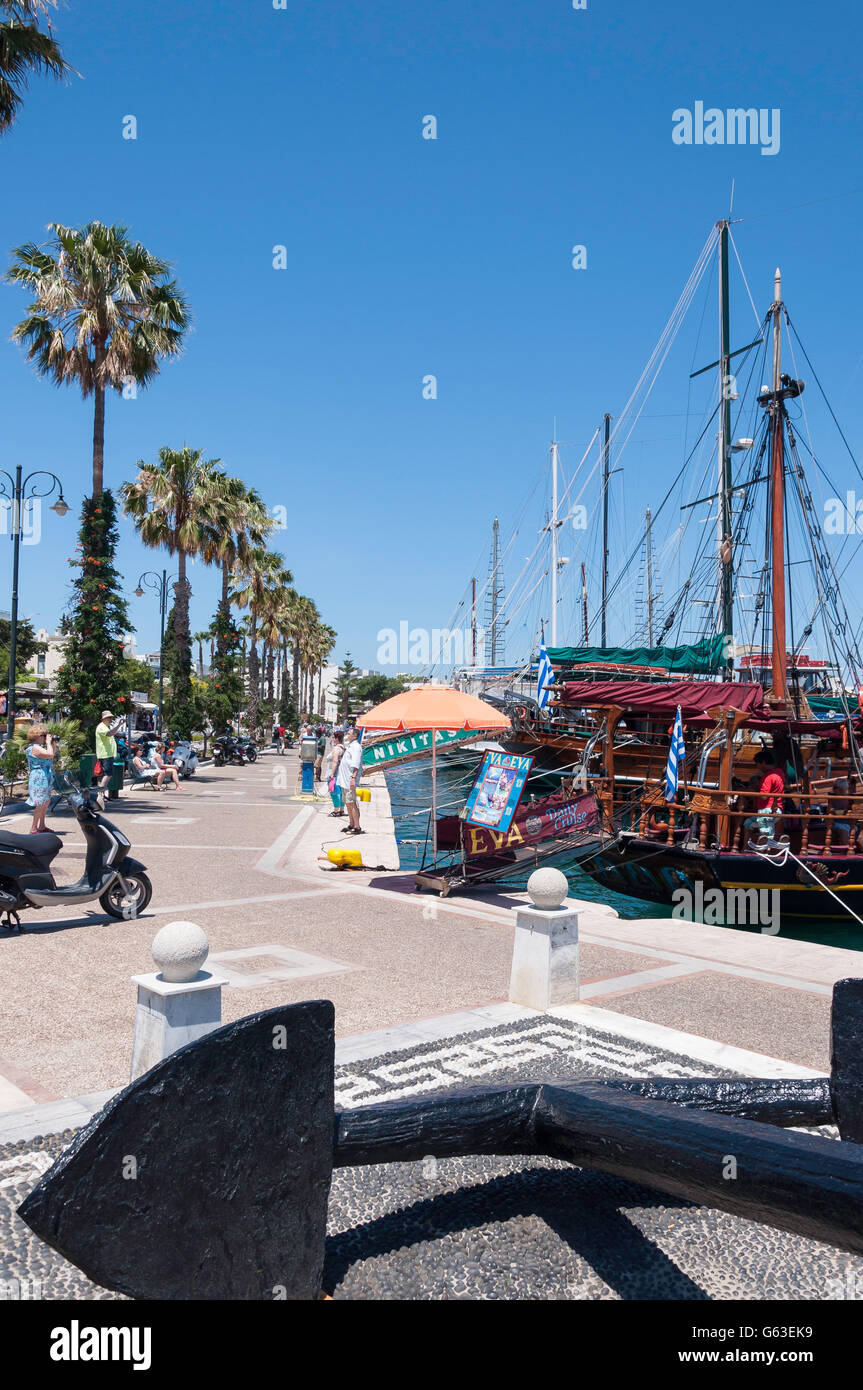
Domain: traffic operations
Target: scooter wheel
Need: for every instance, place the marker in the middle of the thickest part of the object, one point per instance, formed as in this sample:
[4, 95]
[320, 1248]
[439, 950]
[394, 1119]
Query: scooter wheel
[116, 903]
[252, 755]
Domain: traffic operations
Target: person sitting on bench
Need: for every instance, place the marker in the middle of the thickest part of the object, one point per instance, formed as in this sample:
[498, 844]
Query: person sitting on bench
[144, 772]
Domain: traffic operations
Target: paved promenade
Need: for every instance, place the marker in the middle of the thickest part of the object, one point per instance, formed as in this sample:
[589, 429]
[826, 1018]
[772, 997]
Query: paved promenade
[239, 852]
[420, 988]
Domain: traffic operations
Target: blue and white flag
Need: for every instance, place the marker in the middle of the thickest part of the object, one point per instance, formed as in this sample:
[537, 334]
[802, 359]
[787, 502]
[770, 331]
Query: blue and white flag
[544, 677]
[676, 754]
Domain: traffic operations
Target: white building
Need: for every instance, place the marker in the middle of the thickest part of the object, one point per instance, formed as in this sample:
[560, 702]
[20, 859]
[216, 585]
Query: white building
[46, 665]
[329, 681]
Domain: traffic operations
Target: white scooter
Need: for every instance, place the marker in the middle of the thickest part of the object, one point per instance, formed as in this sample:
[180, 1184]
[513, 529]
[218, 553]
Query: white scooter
[185, 758]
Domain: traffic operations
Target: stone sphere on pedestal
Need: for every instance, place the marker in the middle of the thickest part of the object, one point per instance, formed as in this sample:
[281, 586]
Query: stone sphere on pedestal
[179, 951]
[547, 888]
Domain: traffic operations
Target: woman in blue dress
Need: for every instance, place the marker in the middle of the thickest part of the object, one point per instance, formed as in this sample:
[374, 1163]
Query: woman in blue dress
[40, 763]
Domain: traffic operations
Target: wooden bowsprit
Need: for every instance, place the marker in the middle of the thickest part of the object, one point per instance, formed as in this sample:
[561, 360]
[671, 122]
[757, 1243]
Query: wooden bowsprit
[233, 1140]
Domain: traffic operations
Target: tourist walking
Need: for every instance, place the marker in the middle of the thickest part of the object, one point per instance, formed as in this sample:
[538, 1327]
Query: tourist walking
[334, 789]
[348, 777]
[40, 765]
[106, 752]
[322, 748]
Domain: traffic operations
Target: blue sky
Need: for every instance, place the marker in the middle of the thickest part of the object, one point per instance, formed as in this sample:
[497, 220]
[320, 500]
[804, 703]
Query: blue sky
[303, 127]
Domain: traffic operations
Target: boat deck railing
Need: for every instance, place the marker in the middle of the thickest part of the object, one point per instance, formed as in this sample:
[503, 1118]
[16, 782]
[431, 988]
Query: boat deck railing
[817, 822]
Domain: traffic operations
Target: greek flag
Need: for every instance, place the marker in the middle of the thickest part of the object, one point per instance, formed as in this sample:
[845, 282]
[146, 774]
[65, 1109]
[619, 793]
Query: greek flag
[544, 677]
[676, 754]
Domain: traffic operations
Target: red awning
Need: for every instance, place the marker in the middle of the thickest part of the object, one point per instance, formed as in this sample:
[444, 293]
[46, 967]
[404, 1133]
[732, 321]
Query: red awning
[648, 697]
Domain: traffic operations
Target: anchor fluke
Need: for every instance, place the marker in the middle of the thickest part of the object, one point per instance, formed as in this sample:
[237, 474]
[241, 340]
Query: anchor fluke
[208, 1177]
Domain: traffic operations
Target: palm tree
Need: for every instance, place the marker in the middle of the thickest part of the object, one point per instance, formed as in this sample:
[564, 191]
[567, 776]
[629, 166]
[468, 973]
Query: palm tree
[103, 314]
[322, 642]
[273, 619]
[201, 638]
[238, 521]
[302, 618]
[169, 502]
[24, 49]
[253, 577]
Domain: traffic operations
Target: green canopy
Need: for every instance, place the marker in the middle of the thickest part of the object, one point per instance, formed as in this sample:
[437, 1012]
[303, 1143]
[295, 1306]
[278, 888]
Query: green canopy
[701, 658]
[827, 704]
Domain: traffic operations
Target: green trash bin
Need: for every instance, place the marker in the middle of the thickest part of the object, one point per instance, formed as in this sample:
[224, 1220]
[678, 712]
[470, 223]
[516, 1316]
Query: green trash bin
[115, 783]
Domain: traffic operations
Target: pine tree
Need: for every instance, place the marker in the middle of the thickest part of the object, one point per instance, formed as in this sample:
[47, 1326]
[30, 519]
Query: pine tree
[346, 685]
[92, 676]
[226, 694]
[288, 707]
[184, 710]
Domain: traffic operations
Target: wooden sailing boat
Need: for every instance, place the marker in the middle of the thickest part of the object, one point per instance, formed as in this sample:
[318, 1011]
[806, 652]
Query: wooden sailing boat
[723, 834]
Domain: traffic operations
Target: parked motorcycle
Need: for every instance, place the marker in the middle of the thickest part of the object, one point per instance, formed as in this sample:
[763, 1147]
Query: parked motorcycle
[185, 757]
[250, 748]
[118, 882]
[228, 749]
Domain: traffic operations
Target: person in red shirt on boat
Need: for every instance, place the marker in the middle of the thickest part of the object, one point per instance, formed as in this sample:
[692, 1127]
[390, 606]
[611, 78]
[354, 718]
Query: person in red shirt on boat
[772, 791]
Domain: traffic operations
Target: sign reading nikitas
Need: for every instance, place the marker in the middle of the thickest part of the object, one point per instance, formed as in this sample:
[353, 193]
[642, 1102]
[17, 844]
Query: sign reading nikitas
[403, 747]
[497, 790]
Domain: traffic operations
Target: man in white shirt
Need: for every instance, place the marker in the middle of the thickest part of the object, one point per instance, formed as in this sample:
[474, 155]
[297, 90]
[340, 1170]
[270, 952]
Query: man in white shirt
[347, 777]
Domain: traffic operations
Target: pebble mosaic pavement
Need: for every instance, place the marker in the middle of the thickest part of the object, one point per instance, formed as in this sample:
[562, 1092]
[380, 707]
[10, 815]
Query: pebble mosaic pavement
[495, 1228]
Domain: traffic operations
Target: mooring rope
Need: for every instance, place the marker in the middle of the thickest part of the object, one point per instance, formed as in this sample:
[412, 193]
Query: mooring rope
[780, 859]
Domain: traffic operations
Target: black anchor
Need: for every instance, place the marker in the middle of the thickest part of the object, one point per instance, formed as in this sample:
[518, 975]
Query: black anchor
[208, 1177]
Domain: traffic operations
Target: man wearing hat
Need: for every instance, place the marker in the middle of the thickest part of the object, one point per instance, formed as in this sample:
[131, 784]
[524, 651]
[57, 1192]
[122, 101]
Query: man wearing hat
[106, 751]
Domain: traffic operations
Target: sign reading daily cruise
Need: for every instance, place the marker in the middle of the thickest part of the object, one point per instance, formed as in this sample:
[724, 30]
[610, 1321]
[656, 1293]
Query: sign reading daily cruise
[497, 791]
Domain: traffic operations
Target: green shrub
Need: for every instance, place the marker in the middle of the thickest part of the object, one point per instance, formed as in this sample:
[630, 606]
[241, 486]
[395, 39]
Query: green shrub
[14, 761]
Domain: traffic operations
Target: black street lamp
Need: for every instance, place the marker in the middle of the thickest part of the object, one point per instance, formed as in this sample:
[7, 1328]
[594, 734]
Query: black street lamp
[159, 585]
[21, 489]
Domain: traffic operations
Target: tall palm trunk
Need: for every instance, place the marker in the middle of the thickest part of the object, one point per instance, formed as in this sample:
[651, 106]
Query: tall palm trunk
[297, 691]
[253, 671]
[271, 660]
[181, 627]
[99, 425]
[225, 612]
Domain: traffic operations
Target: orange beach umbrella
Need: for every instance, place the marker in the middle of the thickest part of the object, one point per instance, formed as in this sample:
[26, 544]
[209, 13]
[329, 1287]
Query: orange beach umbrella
[433, 707]
[437, 708]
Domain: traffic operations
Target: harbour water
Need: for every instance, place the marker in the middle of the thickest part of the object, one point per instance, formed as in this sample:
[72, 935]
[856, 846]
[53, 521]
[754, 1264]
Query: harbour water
[409, 788]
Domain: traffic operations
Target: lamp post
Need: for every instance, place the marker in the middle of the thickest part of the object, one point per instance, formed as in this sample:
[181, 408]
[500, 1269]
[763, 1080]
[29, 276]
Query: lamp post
[159, 585]
[21, 490]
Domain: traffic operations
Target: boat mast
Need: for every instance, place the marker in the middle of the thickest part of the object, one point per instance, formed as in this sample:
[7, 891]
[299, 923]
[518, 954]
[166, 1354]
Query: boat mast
[648, 524]
[473, 620]
[584, 600]
[725, 544]
[779, 688]
[493, 597]
[605, 476]
[554, 525]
